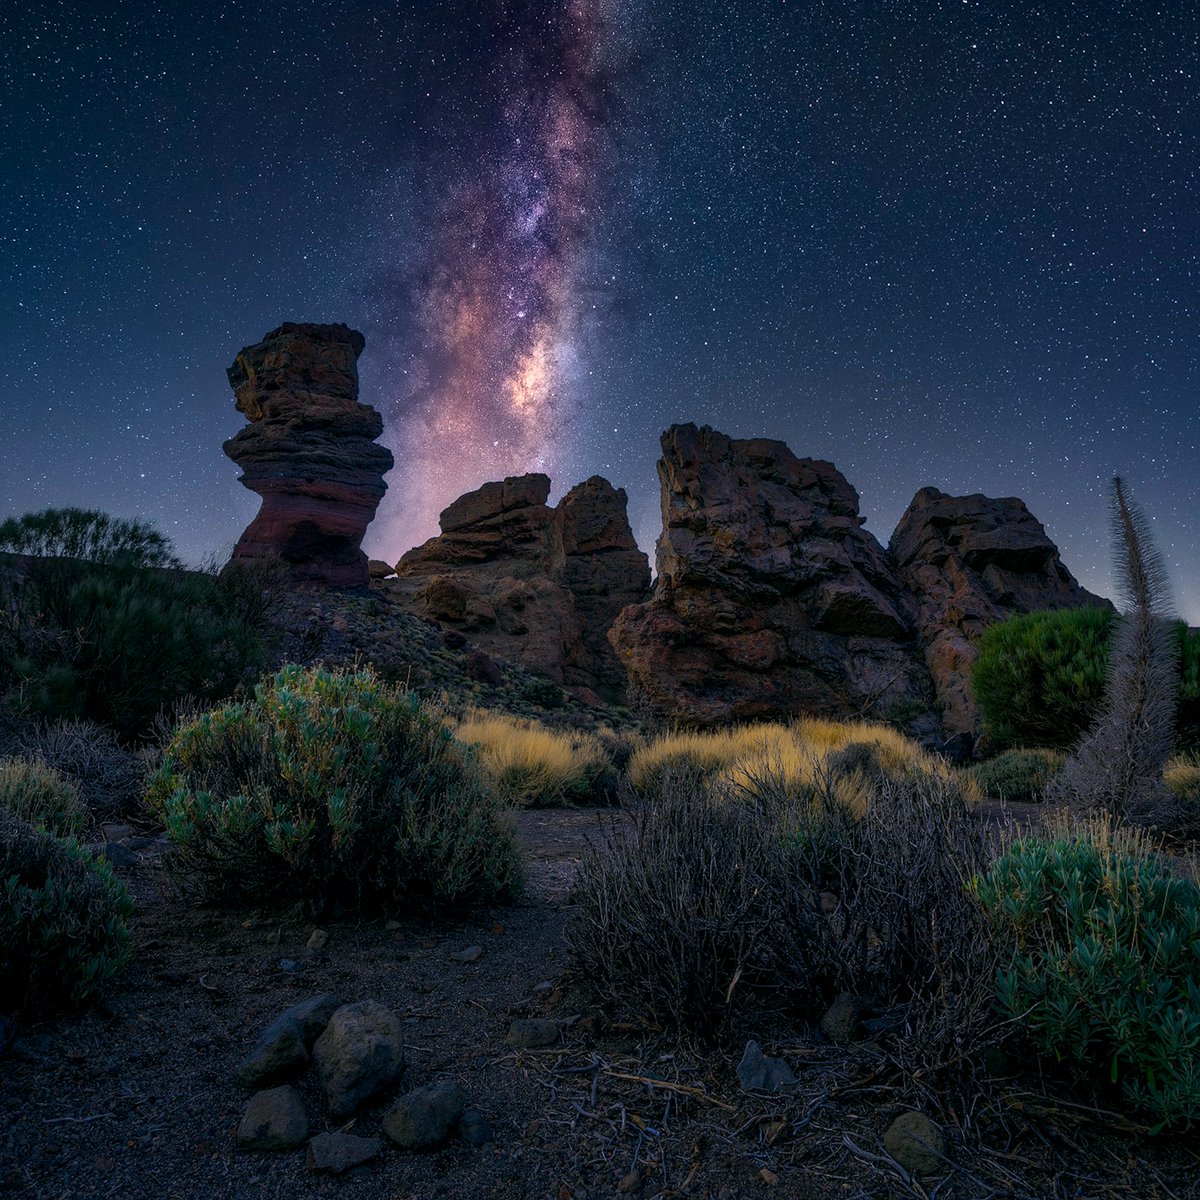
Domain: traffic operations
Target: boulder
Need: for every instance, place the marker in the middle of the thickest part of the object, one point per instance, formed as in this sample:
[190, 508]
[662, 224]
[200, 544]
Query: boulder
[771, 598]
[283, 1047]
[426, 1117]
[917, 1144]
[336, 1153]
[309, 451]
[530, 583]
[273, 1120]
[360, 1053]
[759, 1073]
[968, 562]
[840, 1022]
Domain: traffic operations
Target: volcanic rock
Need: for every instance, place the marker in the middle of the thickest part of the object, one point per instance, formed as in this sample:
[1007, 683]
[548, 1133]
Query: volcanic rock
[968, 562]
[360, 1052]
[425, 1117]
[309, 452]
[771, 598]
[273, 1120]
[530, 583]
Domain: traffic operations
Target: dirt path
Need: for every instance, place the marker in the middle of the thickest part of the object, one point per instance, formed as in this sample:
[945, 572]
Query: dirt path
[137, 1100]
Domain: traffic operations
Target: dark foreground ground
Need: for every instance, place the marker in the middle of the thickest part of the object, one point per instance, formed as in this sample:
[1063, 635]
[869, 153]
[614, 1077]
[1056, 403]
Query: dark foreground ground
[138, 1099]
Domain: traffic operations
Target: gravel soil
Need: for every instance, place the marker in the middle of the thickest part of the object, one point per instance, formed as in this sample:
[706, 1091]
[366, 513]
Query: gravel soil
[137, 1099]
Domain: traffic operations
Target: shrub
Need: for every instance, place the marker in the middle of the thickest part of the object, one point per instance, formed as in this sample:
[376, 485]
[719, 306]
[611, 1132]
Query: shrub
[541, 692]
[1039, 679]
[109, 776]
[40, 796]
[89, 536]
[720, 899]
[1017, 774]
[688, 917]
[115, 641]
[533, 766]
[332, 788]
[63, 920]
[1107, 972]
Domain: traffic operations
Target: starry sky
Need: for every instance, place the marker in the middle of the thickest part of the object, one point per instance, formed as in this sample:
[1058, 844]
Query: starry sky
[948, 243]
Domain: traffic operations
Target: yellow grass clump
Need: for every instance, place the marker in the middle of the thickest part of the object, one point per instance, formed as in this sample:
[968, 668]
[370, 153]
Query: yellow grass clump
[1182, 776]
[531, 765]
[797, 759]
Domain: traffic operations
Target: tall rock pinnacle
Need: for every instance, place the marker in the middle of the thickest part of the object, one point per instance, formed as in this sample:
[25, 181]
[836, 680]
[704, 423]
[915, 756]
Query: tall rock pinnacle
[309, 451]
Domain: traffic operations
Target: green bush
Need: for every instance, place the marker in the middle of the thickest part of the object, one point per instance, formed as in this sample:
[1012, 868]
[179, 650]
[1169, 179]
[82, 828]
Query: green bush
[40, 796]
[1039, 679]
[87, 535]
[118, 639]
[1017, 774]
[63, 920]
[332, 788]
[1106, 977]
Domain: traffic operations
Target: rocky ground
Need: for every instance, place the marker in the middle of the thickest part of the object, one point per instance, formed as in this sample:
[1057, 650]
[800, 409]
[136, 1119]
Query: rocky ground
[140, 1098]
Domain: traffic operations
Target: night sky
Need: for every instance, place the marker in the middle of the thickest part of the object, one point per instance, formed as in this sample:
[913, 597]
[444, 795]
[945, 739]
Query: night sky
[938, 243]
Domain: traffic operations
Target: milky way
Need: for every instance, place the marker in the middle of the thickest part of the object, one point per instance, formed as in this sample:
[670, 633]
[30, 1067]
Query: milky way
[495, 306]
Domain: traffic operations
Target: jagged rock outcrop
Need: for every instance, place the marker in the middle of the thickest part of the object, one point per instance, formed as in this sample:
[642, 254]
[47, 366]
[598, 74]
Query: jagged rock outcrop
[968, 562]
[771, 598]
[530, 583]
[309, 451]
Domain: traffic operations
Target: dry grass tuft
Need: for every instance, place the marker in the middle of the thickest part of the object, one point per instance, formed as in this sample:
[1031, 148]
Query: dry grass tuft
[533, 766]
[797, 759]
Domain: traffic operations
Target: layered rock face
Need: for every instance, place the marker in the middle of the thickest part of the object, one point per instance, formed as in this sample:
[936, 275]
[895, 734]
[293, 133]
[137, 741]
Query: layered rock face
[309, 451]
[530, 583]
[771, 599]
[968, 562]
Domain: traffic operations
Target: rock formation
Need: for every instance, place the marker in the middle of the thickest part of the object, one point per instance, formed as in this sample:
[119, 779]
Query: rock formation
[530, 583]
[771, 599]
[968, 562]
[309, 451]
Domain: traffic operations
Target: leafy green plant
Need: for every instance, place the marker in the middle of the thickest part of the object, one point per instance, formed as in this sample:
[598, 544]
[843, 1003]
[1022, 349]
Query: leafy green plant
[40, 796]
[1106, 976]
[332, 788]
[87, 535]
[118, 638]
[1040, 678]
[1017, 774]
[63, 920]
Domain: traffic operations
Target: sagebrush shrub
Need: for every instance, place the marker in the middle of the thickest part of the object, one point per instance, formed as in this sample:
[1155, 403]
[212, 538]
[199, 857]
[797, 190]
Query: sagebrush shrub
[109, 775]
[1106, 976]
[63, 920]
[1021, 773]
[333, 788]
[721, 898]
[689, 917]
[40, 796]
